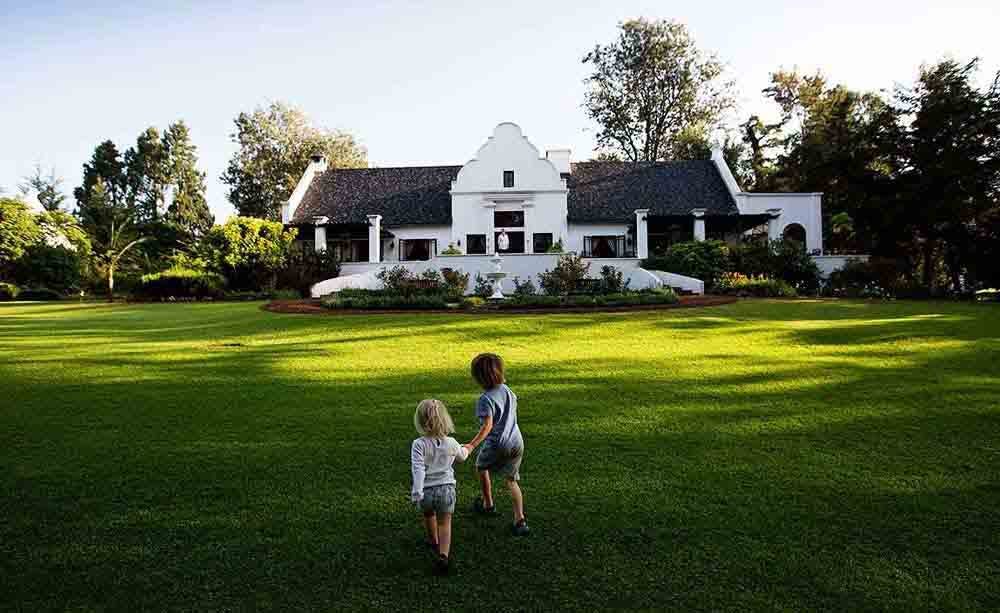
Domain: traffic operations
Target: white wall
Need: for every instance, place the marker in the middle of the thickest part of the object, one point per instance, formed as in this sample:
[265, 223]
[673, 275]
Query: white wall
[803, 209]
[524, 266]
[478, 190]
[441, 233]
[578, 230]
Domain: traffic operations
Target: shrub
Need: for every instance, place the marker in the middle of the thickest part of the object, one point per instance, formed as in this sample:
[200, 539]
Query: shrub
[483, 287]
[612, 280]
[183, 284]
[383, 300]
[455, 281]
[785, 260]
[524, 288]
[393, 279]
[556, 247]
[570, 270]
[452, 250]
[39, 293]
[43, 265]
[249, 251]
[305, 268]
[704, 260]
[473, 302]
[8, 291]
[738, 284]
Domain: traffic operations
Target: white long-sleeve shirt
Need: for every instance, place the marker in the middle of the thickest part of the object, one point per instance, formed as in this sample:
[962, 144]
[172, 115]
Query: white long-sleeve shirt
[431, 461]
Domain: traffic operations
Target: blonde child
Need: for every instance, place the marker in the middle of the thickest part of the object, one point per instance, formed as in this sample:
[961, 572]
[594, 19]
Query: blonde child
[503, 447]
[431, 459]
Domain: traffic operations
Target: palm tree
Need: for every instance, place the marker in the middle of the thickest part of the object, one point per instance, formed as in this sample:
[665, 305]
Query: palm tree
[113, 254]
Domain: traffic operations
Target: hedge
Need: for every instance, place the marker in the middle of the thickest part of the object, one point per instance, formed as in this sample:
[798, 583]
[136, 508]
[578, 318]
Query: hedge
[183, 284]
[737, 284]
[376, 300]
[39, 294]
[8, 291]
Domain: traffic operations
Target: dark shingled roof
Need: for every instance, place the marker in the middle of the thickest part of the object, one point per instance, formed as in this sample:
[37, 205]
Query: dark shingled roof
[408, 195]
[598, 192]
[612, 191]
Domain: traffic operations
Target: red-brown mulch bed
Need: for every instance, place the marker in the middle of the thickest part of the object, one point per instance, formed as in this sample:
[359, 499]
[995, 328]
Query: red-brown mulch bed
[313, 307]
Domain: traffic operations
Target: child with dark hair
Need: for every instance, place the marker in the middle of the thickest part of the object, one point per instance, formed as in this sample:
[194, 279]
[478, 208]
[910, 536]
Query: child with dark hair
[503, 447]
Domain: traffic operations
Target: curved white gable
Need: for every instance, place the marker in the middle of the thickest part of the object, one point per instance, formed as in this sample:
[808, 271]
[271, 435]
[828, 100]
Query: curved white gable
[507, 149]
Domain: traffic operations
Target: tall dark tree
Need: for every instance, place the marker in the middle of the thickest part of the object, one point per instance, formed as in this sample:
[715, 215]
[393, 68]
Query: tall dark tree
[188, 210]
[650, 85]
[833, 140]
[147, 171]
[45, 187]
[950, 163]
[106, 169]
[274, 147]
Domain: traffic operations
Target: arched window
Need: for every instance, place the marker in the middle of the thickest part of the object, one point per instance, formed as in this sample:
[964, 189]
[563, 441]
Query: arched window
[795, 232]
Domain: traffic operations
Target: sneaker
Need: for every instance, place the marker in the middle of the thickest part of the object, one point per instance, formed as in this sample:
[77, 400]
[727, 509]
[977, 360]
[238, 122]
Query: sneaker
[480, 508]
[520, 528]
[442, 565]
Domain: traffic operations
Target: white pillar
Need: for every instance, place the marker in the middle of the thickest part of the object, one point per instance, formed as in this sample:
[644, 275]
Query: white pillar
[699, 224]
[374, 239]
[529, 230]
[319, 234]
[641, 234]
[774, 224]
[491, 248]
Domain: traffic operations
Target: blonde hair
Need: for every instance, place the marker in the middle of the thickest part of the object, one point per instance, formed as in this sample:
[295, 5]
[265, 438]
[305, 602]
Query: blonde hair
[432, 419]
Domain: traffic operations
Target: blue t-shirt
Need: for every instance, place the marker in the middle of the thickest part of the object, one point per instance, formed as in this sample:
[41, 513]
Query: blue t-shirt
[501, 403]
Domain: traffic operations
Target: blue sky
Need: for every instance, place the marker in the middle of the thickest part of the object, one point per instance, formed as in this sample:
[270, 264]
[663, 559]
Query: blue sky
[416, 83]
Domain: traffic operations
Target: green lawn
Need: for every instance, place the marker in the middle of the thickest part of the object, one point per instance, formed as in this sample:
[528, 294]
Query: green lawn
[763, 455]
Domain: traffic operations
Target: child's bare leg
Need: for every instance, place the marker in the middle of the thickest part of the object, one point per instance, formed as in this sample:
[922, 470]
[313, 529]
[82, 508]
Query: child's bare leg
[431, 528]
[487, 487]
[444, 533]
[518, 499]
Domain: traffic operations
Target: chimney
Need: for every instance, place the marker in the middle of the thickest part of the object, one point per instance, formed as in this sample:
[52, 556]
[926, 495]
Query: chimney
[560, 158]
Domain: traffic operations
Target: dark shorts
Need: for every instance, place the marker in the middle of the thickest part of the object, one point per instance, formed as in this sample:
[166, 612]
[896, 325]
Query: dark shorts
[502, 461]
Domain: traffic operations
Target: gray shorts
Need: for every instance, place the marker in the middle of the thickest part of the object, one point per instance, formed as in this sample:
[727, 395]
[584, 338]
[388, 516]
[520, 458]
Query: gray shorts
[505, 462]
[438, 499]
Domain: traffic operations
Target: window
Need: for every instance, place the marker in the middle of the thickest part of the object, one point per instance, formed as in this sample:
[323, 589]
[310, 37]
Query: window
[419, 249]
[508, 219]
[348, 250]
[508, 178]
[540, 242]
[475, 244]
[605, 247]
[516, 242]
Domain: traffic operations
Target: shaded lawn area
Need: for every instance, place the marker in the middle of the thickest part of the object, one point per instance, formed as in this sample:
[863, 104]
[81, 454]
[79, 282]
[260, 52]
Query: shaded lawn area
[763, 455]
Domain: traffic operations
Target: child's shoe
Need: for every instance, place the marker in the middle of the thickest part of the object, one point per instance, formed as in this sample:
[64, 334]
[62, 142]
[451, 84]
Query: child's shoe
[442, 565]
[481, 509]
[520, 528]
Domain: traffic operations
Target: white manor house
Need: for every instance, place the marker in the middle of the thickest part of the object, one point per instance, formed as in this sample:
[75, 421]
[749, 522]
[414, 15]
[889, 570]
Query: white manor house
[615, 213]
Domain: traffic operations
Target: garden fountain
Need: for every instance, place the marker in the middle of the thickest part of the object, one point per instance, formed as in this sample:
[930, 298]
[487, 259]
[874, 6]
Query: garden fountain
[496, 277]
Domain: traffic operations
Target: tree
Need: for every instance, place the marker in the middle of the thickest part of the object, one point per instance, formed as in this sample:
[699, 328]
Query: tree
[45, 187]
[949, 150]
[117, 240]
[189, 209]
[650, 85]
[250, 251]
[833, 140]
[274, 147]
[147, 175]
[18, 230]
[97, 207]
